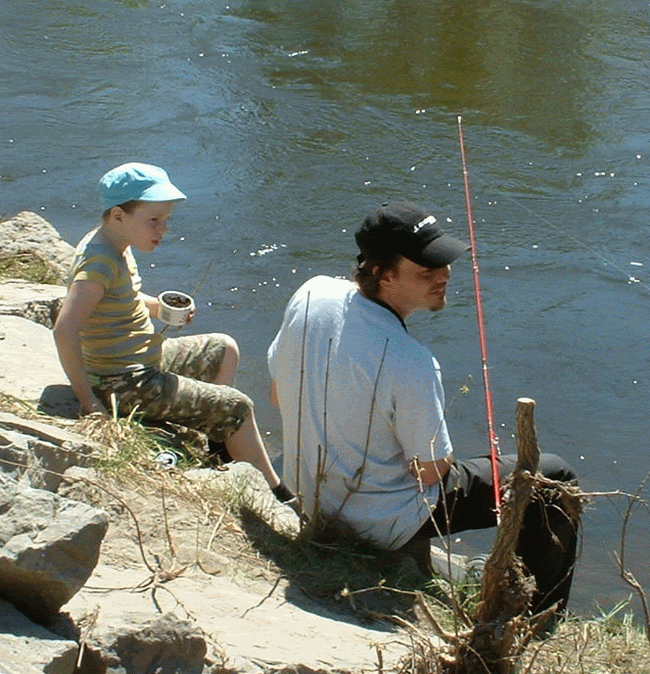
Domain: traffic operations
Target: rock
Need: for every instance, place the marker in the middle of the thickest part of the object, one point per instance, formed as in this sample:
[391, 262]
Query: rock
[139, 643]
[30, 368]
[49, 547]
[39, 302]
[450, 566]
[27, 231]
[39, 451]
[27, 648]
[255, 629]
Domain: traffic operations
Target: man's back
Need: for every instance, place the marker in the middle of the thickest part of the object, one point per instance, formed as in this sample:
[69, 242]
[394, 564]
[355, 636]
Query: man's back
[365, 398]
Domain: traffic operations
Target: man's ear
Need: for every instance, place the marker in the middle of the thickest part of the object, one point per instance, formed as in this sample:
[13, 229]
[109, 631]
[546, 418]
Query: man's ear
[387, 278]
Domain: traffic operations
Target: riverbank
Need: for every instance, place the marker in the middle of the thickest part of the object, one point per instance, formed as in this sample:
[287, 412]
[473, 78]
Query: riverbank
[207, 559]
[195, 549]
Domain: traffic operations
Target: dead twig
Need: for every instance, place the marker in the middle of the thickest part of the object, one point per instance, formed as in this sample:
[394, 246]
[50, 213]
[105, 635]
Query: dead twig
[358, 474]
[170, 541]
[89, 625]
[624, 572]
[268, 595]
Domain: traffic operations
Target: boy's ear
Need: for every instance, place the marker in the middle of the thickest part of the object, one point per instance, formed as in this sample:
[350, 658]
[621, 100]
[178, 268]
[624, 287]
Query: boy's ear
[117, 213]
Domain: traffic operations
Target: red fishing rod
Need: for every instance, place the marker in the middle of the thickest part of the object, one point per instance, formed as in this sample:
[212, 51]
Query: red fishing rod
[494, 442]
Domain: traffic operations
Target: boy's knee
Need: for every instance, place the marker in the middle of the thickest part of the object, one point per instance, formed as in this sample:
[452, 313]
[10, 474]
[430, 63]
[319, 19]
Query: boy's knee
[246, 403]
[233, 405]
[230, 346]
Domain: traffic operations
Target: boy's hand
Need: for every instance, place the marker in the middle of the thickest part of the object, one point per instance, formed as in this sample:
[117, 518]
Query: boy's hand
[93, 406]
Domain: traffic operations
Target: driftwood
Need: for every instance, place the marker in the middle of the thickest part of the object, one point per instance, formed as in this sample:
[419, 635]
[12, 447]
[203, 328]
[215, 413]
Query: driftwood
[502, 594]
[500, 626]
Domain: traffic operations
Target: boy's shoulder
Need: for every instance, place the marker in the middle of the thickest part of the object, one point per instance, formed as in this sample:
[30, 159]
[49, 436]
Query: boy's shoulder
[93, 243]
[97, 260]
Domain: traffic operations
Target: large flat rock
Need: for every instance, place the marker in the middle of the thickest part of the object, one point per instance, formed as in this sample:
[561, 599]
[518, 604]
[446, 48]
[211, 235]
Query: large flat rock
[40, 302]
[30, 368]
[254, 631]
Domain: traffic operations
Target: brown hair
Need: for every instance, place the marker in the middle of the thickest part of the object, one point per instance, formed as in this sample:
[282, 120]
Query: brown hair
[127, 207]
[368, 273]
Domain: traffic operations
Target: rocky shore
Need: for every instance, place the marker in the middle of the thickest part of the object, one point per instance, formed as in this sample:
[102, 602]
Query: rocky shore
[77, 594]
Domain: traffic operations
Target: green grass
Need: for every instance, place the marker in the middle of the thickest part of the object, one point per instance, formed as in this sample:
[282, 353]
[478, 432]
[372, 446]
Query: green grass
[29, 266]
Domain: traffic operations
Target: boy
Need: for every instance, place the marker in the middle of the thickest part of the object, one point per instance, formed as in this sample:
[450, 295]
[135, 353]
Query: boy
[109, 348]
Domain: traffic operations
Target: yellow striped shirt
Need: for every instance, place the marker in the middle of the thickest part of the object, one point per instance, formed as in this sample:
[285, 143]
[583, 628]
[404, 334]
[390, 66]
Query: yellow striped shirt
[119, 335]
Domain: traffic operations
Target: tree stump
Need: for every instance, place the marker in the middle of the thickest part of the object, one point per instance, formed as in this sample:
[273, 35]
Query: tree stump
[491, 645]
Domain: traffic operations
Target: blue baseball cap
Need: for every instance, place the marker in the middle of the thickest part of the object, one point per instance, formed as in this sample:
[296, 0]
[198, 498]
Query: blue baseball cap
[135, 181]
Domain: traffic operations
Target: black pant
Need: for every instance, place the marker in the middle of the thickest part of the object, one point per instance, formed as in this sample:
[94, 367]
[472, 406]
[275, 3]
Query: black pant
[548, 537]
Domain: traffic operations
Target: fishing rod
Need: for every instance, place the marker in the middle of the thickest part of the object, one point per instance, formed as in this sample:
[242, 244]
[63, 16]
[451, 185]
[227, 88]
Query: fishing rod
[494, 442]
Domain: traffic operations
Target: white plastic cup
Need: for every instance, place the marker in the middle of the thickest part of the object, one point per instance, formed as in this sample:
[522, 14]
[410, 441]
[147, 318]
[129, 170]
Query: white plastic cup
[175, 307]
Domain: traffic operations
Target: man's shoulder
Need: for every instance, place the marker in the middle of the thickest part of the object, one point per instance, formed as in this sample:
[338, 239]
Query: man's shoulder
[408, 350]
[323, 289]
[327, 285]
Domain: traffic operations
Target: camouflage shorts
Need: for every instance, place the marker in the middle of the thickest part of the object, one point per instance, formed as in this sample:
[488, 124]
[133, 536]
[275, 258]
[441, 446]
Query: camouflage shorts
[181, 390]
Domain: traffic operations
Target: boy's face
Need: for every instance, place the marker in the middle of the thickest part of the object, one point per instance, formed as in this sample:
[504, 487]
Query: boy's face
[146, 226]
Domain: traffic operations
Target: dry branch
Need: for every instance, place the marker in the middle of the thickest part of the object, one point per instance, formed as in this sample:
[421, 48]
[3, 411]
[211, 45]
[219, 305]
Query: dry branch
[501, 624]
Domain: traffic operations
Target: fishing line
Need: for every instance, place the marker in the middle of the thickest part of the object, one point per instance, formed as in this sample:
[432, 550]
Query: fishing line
[632, 280]
[603, 258]
[494, 442]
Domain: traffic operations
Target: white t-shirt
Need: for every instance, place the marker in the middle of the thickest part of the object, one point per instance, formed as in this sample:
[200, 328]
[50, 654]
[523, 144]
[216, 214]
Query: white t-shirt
[359, 398]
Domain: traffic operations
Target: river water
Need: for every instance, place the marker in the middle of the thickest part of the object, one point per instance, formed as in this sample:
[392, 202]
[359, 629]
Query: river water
[286, 121]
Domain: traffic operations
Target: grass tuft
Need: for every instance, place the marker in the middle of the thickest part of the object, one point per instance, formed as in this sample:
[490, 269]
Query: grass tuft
[30, 266]
[21, 408]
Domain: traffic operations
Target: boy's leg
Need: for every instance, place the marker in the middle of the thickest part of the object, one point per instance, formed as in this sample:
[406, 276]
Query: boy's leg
[224, 413]
[246, 445]
[215, 409]
[212, 357]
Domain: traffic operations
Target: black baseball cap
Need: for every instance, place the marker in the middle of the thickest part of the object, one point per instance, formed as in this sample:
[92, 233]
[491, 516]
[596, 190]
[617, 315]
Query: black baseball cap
[407, 229]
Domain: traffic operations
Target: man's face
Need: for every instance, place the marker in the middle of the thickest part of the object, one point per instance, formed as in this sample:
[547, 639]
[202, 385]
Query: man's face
[410, 286]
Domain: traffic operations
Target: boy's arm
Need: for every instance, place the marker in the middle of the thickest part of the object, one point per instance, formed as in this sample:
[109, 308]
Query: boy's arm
[78, 305]
[152, 304]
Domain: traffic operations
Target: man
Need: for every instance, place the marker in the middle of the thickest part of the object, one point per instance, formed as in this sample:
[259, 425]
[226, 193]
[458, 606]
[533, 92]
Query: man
[362, 404]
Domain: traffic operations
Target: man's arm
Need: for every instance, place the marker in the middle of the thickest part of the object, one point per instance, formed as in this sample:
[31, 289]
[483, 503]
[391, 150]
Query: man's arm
[273, 394]
[426, 472]
[431, 472]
